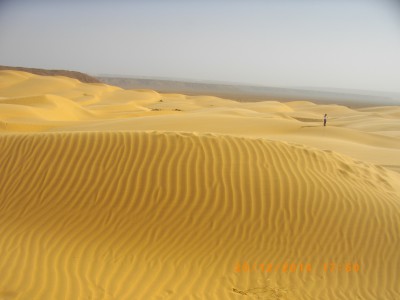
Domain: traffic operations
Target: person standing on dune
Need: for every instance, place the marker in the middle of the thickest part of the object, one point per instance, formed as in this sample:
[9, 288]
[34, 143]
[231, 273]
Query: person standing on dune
[325, 117]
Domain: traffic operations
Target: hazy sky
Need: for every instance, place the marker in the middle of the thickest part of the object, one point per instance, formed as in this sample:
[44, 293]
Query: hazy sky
[302, 43]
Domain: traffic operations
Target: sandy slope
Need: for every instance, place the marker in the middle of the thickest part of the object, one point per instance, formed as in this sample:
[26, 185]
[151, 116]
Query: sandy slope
[113, 194]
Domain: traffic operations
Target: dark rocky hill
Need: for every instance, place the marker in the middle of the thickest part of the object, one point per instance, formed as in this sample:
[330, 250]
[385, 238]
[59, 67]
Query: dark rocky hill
[72, 74]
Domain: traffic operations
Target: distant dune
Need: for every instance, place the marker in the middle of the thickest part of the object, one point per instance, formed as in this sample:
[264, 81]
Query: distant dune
[353, 98]
[109, 193]
[71, 74]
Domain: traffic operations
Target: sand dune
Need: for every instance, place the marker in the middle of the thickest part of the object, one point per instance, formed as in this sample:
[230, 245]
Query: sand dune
[146, 215]
[114, 194]
[368, 134]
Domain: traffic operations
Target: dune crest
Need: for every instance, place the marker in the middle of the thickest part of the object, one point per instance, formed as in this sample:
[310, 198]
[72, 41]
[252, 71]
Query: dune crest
[368, 134]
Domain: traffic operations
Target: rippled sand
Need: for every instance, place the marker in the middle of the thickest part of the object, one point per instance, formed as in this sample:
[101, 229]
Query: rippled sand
[115, 194]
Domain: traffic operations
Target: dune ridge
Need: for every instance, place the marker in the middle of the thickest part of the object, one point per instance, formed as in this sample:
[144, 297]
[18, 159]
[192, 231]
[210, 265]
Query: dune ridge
[162, 215]
[32, 103]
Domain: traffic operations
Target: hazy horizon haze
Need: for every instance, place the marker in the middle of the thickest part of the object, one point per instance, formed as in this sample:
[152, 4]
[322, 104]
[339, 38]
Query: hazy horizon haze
[329, 44]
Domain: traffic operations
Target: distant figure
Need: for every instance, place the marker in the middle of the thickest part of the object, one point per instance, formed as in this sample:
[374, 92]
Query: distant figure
[325, 117]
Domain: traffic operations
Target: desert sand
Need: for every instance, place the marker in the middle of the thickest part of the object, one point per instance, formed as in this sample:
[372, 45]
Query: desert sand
[131, 194]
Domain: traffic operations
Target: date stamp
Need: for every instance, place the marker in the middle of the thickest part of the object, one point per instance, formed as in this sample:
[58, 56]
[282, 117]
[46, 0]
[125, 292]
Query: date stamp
[292, 267]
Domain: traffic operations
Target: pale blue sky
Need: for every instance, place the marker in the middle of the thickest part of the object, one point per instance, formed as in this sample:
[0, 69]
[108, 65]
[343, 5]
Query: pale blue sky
[295, 43]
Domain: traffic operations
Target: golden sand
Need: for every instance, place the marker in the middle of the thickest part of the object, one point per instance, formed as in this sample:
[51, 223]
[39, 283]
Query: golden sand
[115, 194]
